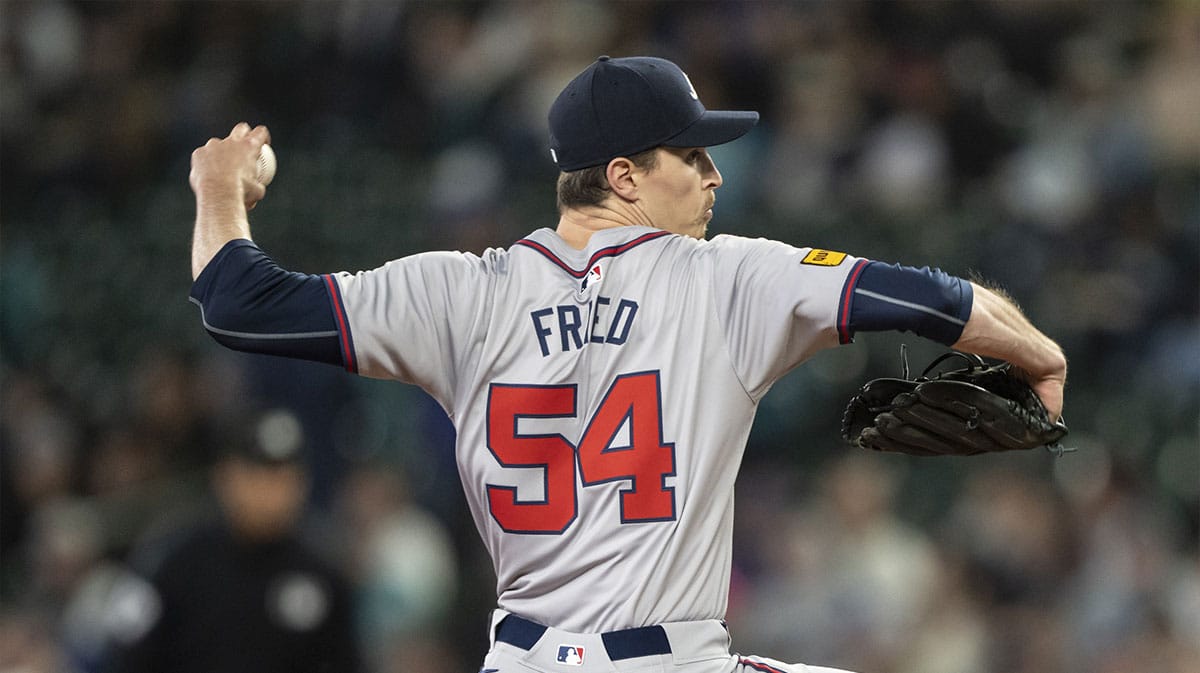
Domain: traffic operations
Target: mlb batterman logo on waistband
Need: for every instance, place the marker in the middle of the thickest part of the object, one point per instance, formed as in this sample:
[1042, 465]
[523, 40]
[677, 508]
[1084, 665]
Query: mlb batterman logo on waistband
[622, 106]
[570, 655]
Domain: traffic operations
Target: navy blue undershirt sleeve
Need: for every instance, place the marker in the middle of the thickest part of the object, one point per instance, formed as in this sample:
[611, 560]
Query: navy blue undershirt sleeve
[249, 303]
[927, 302]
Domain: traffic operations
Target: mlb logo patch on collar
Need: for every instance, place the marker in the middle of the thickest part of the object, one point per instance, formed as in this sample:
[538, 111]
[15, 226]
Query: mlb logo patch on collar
[592, 278]
[590, 285]
[570, 655]
[823, 257]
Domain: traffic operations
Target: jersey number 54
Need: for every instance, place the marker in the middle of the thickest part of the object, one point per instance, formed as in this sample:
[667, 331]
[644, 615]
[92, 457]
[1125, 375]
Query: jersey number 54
[644, 460]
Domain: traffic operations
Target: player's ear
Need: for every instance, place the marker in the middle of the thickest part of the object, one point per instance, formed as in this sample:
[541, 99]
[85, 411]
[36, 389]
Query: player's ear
[622, 178]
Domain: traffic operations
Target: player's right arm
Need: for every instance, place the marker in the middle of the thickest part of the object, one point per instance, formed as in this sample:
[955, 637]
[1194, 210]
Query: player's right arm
[803, 304]
[964, 315]
[996, 328]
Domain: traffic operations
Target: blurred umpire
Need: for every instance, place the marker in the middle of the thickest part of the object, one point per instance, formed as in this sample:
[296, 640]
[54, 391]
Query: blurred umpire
[243, 593]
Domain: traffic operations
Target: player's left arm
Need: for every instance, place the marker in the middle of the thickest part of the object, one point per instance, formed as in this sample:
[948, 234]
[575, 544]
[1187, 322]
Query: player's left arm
[247, 301]
[224, 179]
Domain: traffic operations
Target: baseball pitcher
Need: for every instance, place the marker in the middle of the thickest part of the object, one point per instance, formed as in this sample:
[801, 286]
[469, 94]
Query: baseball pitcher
[602, 375]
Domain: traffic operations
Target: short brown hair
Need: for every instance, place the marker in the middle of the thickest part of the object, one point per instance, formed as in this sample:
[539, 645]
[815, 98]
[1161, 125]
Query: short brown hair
[589, 186]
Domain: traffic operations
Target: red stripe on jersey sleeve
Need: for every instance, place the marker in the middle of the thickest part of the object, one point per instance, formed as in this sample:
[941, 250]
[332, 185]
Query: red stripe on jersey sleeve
[843, 317]
[343, 324]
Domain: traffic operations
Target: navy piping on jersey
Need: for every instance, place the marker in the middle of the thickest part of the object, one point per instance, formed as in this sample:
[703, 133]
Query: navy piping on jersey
[610, 251]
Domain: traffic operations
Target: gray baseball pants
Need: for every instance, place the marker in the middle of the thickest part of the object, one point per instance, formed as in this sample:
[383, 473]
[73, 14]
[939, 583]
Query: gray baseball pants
[520, 646]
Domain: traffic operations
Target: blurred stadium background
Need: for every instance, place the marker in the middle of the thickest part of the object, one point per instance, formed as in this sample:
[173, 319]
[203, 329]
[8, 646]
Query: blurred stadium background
[1053, 147]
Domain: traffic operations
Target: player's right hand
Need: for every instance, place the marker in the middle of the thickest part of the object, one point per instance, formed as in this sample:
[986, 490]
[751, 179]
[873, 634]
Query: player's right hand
[226, 168]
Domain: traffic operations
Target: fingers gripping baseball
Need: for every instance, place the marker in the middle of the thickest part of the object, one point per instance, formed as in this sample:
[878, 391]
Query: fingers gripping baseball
[236, 166]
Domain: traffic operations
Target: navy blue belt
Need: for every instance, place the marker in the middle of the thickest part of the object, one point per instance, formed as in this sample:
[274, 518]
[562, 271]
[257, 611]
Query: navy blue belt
[624, 644]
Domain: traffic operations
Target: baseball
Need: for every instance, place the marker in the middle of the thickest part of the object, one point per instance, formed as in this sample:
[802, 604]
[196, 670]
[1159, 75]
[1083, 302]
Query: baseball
[266, 165]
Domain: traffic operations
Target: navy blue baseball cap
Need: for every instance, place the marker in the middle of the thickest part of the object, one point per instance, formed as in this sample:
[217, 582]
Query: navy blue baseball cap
[621, 106]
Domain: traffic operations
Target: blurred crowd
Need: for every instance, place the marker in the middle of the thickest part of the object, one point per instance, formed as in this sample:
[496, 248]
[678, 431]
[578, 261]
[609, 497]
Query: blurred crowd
[1050, 146]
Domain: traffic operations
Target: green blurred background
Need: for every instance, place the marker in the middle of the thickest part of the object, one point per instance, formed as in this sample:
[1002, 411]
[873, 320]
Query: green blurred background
[1052, 147]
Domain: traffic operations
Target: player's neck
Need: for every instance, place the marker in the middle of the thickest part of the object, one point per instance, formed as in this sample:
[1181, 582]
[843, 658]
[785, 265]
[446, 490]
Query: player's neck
[576, 225]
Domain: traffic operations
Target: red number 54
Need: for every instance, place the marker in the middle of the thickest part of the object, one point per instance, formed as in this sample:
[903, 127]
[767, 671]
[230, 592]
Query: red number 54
[645, 463]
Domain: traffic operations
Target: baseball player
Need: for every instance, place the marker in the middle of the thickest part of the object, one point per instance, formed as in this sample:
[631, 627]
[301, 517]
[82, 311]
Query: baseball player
[602, 375]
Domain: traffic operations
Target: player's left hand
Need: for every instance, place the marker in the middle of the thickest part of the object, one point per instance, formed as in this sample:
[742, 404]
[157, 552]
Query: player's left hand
[226, 168]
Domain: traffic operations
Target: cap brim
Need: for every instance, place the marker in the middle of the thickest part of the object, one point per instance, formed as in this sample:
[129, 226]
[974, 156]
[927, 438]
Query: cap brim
[714, 127]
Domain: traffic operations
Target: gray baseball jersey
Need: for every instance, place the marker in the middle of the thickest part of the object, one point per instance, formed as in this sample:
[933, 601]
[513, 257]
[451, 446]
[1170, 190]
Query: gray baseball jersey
[602, 398]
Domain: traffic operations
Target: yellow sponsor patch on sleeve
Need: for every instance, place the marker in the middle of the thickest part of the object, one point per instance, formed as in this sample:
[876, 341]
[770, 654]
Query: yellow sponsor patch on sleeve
[823, 257]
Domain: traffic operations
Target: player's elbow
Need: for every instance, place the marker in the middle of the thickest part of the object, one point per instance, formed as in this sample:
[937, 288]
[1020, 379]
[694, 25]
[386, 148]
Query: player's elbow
[241, 328]
[248, 303]
[226, 321]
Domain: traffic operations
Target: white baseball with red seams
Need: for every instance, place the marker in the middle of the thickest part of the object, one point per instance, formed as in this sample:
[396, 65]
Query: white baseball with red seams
[265, 170]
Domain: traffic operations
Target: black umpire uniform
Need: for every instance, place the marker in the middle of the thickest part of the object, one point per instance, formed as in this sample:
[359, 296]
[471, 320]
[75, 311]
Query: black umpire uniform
[244, 594]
